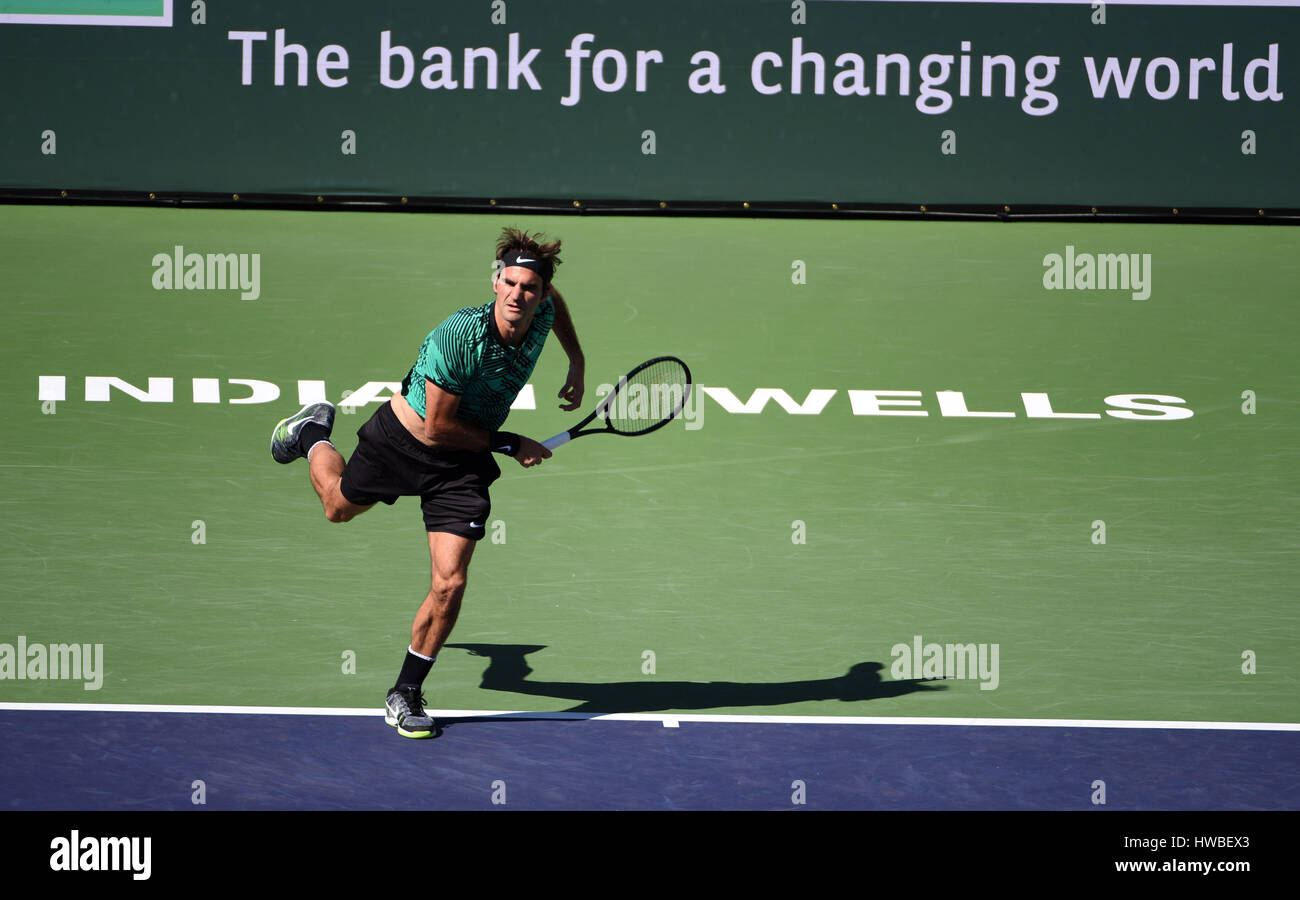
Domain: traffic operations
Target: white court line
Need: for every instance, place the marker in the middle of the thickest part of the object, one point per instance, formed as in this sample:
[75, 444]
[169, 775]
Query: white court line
[668, 720]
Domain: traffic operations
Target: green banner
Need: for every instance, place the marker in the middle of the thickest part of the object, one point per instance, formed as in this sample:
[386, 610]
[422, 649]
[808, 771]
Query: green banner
[733, 100]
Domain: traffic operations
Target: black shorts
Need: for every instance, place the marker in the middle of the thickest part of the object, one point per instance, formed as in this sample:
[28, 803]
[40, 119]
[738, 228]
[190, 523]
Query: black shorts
[390, 463]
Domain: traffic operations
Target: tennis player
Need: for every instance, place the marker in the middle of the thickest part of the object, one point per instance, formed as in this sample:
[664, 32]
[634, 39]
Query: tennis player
[435, 439]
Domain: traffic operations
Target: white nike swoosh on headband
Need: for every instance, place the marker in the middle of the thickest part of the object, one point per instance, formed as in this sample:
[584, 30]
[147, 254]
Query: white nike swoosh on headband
[524, 259]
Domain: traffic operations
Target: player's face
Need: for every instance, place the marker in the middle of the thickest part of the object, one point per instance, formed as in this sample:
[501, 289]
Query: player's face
[519, 291]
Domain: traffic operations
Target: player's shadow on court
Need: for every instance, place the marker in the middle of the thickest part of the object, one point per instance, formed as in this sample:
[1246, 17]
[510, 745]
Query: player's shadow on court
[508, 671]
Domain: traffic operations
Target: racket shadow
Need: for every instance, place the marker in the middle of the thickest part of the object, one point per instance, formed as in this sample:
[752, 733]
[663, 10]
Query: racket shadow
[508, 671]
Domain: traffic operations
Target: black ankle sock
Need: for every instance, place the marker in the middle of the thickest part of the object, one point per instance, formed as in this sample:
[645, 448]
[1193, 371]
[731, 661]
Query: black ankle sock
[414, 670]
[310, 433]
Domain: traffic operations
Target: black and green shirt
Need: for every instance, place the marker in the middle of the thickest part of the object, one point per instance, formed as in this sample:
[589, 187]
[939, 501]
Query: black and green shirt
[466, 356]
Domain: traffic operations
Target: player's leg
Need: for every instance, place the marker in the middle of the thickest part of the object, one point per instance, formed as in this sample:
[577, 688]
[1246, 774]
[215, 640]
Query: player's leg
[456, 505]
[307, 434]
[326, 466]
[449, 556]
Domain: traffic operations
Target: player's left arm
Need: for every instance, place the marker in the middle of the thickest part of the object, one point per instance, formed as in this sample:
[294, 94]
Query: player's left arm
[563, 327]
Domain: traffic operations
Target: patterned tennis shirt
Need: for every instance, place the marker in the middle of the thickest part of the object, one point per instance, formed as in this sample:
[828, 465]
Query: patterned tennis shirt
[466, 356]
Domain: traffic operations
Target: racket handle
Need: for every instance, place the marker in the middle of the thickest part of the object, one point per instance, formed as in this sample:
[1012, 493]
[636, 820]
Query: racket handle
[558, 441]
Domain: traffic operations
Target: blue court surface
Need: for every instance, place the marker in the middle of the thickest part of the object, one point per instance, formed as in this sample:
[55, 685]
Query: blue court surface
[111, 760]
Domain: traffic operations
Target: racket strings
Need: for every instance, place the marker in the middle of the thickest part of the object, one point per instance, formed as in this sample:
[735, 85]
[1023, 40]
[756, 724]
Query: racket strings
[646, 398]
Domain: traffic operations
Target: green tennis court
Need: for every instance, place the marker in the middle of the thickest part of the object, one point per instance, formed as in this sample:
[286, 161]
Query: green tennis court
[1125, 568]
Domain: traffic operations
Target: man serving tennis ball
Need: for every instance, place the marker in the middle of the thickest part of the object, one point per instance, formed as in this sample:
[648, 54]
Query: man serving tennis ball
[435, 440]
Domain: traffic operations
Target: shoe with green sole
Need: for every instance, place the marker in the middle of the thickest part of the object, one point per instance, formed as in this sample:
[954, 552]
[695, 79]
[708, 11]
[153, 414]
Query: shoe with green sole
[285, 444]
[405, 712]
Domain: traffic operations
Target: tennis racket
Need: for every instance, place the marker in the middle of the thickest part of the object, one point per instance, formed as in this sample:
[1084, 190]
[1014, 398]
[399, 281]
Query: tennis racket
[644, 400]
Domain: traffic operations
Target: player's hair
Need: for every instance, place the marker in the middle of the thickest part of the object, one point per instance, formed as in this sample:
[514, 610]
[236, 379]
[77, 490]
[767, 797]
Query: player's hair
[515, 239]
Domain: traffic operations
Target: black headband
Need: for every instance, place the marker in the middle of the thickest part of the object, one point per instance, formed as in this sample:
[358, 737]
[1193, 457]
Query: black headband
[524, 259]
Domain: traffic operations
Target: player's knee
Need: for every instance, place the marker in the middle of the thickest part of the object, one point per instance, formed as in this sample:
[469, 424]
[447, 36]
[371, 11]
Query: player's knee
[337, 513]
[447, 588]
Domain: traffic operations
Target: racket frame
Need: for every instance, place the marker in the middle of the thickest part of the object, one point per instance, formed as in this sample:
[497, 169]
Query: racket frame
[564, 437]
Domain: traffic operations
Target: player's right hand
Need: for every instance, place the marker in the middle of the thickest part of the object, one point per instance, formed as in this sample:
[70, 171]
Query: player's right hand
[530, 452]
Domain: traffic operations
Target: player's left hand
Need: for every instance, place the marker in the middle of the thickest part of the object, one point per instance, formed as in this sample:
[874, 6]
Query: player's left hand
[573, 388]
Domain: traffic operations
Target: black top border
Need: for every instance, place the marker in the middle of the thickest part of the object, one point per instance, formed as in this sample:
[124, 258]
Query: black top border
[739, 209]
